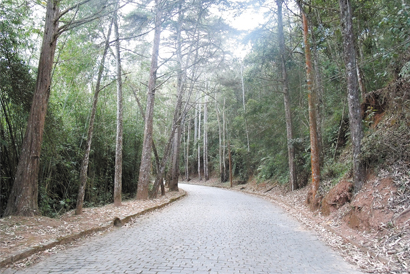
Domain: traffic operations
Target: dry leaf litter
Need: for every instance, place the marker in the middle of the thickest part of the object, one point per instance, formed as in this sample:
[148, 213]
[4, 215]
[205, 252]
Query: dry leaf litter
[18, 234]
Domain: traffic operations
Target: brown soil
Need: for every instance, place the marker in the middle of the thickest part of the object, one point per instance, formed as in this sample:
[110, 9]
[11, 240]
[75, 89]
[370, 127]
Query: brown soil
[25, 240]
[368, 210]
[337, 197]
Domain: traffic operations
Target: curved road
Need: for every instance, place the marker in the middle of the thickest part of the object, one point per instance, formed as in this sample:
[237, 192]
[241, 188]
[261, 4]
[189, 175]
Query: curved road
[210, 231]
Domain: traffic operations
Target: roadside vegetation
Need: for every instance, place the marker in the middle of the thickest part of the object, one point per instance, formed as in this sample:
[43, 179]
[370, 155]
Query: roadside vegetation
[127, 95]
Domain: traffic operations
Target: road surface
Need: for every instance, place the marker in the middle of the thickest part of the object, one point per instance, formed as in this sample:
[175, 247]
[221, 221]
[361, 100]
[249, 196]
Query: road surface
[210, 231]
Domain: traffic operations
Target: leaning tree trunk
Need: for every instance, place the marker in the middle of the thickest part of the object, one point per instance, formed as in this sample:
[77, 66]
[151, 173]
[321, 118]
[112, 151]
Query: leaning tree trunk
[154, 149]
[314, 149]
[118, 139]
[23, 199]
[86, 158]
[353, 96]
[145, 168]
[286, 99]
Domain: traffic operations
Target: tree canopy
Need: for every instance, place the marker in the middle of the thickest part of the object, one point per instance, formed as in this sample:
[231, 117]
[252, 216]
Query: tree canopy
[219, 92]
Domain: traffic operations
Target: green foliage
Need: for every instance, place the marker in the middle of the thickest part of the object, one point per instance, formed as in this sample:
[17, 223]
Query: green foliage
[405, 71]
[16, 91]
[273, 168]
[382, 29]
[335, 170]
[388, 143]
[241, 163]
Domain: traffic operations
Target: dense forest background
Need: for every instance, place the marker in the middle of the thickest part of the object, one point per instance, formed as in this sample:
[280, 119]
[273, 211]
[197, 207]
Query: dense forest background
[211, 100]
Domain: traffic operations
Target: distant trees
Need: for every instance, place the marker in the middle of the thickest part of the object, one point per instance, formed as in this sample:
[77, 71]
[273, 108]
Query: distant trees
[86, 158]
[196, 98]
[286, 99]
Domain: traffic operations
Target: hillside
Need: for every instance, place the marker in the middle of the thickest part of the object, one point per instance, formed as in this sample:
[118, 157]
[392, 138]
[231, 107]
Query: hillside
[377, 218]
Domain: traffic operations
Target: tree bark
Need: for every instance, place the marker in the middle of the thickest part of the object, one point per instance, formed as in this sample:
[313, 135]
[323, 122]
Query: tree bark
[318, 99]
[286, 99]
[145, 168]
[353, 96]
[195, 123]
[154, 149]
[224, 174]
[244, 108]
[230, 164]
[361, 82]
[23, 199]
[314, 149]
[187, 152]
[173, 184]
[219, 139]
[206, 173]
[86, 158]
[119, 136]
[199, 139]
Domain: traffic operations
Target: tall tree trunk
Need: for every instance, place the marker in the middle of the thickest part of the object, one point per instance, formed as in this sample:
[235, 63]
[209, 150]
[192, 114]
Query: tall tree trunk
[187, 152]
[184, 136]
[353, 97]
[199, 140]
[154, 149]
[145, 168]
[314, 149]
[244, 108]
[318, 99]
[173, 184]
[230, 164]
[196, 122]
[194, 152]
[224, 177]
[118, 139]
[23, 199]
[86, 158]
[362, 85]
[219, 139]
[176, 126]
[286, 99]
[206, 173]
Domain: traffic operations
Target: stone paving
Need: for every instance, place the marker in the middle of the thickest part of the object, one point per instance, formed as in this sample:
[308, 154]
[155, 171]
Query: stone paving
[210, 231]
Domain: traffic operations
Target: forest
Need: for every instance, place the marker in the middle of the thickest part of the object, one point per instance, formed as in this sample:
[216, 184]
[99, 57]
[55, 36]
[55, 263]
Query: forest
[105, 100]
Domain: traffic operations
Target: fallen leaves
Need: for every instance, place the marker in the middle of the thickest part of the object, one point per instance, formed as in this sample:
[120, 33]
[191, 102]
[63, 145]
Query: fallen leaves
[18, 233]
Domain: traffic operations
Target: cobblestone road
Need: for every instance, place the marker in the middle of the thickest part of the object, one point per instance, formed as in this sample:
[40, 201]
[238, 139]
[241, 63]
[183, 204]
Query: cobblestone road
[210, 231]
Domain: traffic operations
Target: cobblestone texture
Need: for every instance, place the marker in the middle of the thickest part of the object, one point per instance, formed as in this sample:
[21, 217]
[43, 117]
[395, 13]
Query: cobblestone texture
[210, 231]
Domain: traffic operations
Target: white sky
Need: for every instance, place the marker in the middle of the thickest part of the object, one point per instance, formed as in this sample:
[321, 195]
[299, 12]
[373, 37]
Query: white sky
[248, 20]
